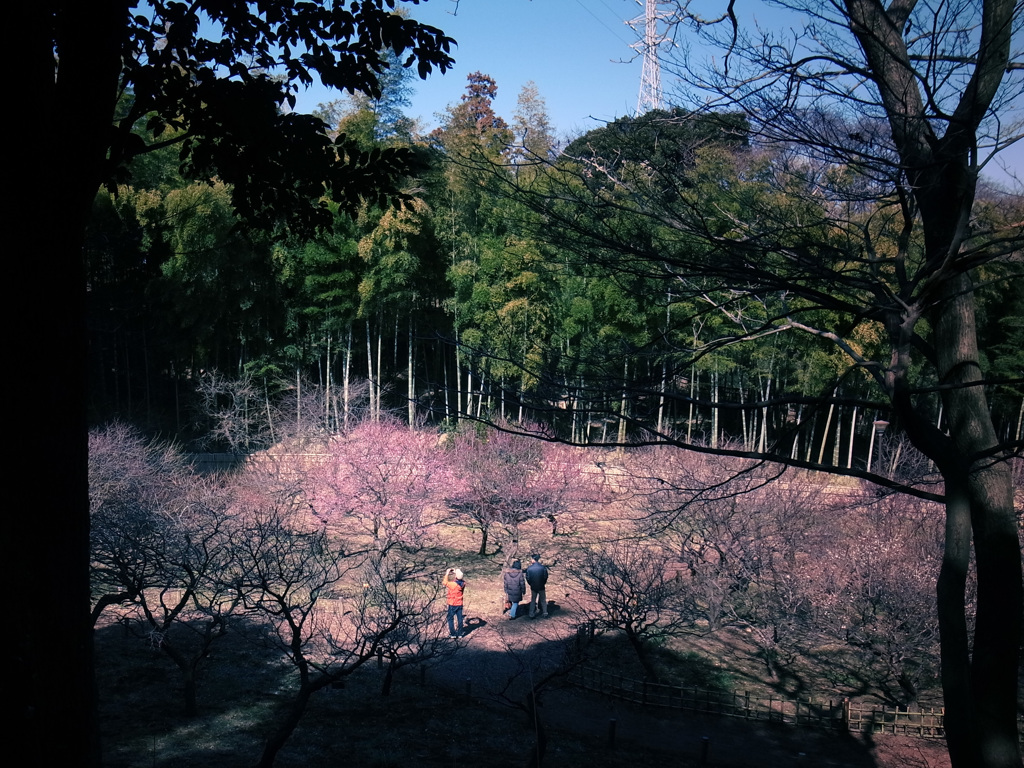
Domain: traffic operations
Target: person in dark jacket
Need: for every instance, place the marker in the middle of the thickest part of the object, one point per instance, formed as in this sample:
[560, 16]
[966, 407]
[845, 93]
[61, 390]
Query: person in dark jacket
[514, 584]
[537, 578]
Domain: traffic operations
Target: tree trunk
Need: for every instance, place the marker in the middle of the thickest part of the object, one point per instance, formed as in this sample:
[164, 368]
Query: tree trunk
[714, 409]
[286, 726]
[298, 399]
[642, 655]
[762, 444]
[188, 678]
[623, 404]
[55, 702]
[853, 431]
[369, 367]
[378, 384]
[981, 687]
[693, 399]
[540, 745]
[661, 397]
[327, 387]
[447, 389]
[346, 370]
[828, 426]
[747, 446]
[266, 407]
[411, 389]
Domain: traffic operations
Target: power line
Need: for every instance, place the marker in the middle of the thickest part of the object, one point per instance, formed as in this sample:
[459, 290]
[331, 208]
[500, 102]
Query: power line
[601, 21]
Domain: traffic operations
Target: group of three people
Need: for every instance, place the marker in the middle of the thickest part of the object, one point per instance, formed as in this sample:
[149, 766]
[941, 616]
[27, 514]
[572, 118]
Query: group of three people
[514, 583]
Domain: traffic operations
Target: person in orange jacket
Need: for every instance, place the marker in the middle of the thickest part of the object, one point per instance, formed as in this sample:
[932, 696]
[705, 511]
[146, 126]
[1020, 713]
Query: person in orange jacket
[456, 586]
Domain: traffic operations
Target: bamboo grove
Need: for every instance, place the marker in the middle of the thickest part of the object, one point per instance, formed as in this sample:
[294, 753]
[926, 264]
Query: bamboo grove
[462, 304]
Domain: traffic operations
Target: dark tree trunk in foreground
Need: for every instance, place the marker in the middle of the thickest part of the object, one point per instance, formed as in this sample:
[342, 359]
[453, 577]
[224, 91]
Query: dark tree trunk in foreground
[64, 130]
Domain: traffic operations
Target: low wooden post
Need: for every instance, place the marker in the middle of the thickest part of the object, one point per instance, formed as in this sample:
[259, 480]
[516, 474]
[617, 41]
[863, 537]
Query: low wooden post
[611, 733]
[469, 687]
[846, 714]
[705, 747]
[423, 676]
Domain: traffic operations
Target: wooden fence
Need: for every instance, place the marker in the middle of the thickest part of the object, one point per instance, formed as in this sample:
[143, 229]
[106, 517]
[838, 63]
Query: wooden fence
[834, 714]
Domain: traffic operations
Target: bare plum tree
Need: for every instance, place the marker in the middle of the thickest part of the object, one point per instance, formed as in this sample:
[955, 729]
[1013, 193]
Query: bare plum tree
[384, 475]
[502, 478]
[329, 609]
[631, 587]
[160, 548]
[862, 589]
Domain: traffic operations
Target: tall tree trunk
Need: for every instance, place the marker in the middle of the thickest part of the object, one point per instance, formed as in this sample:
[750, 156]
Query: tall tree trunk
[327, 387]
[55, 702]
[828, 426]
[623, 403]
[661, 397]
[447, 389]
[747, 446]
[378, 383]
[954, 645]
[369, 367]
[266, 405]
[762, 444]
[693, 399]
[853, 431]
[714, 408]
[410, 392]
[346, 374]
[480, 397]
[981, 687]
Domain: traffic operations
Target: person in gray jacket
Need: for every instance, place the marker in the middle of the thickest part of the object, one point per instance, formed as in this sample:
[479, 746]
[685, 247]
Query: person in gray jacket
[514, 584]
[537, 578]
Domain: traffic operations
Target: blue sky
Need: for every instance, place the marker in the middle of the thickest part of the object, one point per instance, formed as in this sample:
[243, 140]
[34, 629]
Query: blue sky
[576, 51]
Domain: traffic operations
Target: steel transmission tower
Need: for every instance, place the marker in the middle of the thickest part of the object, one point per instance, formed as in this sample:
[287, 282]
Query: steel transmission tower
[650, 78]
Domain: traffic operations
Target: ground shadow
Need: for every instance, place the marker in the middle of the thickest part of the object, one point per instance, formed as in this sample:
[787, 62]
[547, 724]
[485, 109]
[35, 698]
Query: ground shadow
[469, 707]
[612, 729]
